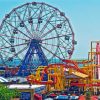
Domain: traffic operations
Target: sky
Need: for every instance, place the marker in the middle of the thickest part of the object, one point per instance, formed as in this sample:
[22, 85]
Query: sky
[84, 16]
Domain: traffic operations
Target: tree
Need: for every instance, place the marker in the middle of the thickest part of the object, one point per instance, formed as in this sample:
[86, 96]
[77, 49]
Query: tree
[7, 94]
[88, 95]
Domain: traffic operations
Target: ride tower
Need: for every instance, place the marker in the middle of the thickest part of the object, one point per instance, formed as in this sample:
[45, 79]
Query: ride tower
[94, 56]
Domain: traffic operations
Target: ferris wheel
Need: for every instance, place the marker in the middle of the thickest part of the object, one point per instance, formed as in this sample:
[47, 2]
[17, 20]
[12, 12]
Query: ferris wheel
[35, 32]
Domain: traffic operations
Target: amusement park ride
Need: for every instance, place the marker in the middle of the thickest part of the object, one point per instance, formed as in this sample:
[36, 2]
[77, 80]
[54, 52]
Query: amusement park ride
[35, 34]
[38, 41]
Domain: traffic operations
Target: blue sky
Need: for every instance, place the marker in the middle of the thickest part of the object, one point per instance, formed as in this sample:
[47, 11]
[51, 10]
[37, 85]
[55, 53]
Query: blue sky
[84, 16]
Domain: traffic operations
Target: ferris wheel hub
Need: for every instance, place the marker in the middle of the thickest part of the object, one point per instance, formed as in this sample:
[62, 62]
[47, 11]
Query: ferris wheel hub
[35, 41]
[36, 35]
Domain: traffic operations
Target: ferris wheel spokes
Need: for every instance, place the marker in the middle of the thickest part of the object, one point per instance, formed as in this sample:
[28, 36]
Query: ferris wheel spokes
[36, 33]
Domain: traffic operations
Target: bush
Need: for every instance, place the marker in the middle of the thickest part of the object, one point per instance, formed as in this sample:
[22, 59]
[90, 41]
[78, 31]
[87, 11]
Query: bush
[88, 95]
[7, 94]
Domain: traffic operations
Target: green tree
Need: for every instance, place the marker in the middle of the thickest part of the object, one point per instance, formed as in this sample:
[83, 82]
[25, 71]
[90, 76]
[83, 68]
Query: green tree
[6, 93]
[88, 95]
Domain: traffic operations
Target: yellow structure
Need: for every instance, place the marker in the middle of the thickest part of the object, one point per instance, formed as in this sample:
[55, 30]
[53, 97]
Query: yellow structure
[56, 76]
[57, 73]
